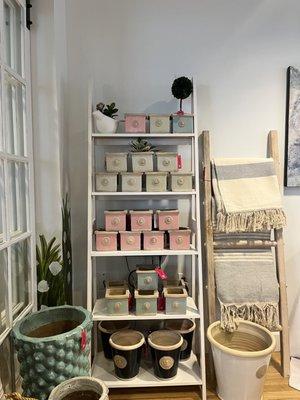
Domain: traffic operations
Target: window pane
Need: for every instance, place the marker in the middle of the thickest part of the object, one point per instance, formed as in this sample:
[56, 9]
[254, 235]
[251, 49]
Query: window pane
[1, 203]
[3, 291]
[13, 16]
[14, 115]
[20, 276]
[18, 192]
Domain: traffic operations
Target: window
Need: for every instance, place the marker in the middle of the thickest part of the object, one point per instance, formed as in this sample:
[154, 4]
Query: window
[17, 238]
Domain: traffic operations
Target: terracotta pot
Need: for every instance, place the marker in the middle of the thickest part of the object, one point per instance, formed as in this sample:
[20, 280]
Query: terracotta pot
[75, 388]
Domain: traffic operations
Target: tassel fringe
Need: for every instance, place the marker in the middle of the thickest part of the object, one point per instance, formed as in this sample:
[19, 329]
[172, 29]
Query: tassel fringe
[250, 221]
[265, 314]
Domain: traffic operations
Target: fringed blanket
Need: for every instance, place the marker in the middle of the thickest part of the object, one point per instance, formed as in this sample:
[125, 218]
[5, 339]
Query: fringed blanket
[247, 288]
[247, 195]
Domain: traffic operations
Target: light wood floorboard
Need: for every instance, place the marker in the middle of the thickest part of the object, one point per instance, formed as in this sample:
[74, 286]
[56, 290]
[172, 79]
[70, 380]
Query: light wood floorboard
[276, 388]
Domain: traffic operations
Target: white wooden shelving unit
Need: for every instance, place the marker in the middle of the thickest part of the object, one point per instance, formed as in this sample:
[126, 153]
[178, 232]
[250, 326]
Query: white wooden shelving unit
[192, 371]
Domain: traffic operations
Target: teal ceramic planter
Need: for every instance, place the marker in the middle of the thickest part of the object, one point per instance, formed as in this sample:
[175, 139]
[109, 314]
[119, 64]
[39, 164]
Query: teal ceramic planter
[51, 348]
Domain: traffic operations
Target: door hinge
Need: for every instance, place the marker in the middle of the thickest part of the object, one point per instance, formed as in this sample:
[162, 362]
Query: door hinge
[28, 20]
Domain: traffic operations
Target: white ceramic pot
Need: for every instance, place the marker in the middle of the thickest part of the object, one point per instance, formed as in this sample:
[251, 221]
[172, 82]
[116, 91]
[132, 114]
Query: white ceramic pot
[103, 123]
[79, 384]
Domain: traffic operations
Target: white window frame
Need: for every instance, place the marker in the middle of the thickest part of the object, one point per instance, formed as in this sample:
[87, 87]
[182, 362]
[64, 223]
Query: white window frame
[9, 239]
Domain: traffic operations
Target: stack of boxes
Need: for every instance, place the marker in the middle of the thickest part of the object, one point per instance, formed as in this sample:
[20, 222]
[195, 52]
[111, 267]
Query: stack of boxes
[141, 234]
[146, 295]
[159, 171]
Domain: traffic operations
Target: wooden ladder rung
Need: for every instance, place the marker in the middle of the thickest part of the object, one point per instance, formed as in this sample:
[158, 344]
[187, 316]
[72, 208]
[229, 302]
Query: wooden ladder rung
[263, 244]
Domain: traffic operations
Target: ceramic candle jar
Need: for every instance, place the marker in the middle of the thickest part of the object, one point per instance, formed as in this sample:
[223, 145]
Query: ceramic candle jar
[167, 162]
[141, 220]
[116, 162]
[147, 278]
[106, 182]
[130, 241]
[156, 181]
[183, 123]
[131, 181]
[176, 299]
[146, 302]
[117, 301]
[181, 182]
[153, 240]
[106, 241]
[135, 123]
[142, 161]
[180, 239]
[167, 219]
[159, 123]
[115, 220]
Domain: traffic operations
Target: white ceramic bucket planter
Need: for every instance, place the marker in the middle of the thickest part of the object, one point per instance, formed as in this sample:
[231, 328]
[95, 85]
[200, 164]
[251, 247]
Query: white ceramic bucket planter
[103, 123]
[241, 359]
[77, 385]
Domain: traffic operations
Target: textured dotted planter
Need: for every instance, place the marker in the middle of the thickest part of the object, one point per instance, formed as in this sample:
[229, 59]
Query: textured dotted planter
[50, 348]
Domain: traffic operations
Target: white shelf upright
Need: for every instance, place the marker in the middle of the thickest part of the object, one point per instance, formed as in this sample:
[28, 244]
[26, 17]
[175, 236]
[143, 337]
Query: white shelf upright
[191, 372]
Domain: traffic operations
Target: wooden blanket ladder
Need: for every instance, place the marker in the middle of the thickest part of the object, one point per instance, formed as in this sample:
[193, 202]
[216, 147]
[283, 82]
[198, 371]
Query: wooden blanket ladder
[210, 245]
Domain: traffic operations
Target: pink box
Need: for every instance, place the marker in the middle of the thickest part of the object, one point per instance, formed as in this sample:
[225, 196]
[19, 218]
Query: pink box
[180, 239]
[106, 241]
[135, 123]
[154, 240]
[130, 240]
[167, 219]
[115, 220]
[141, 220]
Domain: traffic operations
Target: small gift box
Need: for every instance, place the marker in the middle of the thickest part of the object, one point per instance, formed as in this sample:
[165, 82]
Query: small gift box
[115, 220]
[106, 241]
[117, 301]
[153, 240]
[147, 278]
[131, 181]
[181, 181]
[159, 123]
[146, 302]
[106, 182]
[167, 219]
[176, 299]
[183, 123]
[167, 162]
[180, 239]
[130, 241]
[142, 161]
[156, 181]
[135, 123]
[116, 162]
[141, 220]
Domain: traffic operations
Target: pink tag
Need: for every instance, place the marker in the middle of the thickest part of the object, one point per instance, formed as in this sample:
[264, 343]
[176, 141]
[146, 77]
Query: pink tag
[161, 273]
[179, 161]
[83, 339]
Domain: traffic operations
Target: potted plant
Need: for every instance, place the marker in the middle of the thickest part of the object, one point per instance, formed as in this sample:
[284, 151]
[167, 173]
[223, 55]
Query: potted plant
[142, 155]
[181, 89]
[104, 118]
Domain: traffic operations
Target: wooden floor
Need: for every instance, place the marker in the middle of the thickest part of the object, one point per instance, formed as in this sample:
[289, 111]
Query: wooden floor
[276, 388]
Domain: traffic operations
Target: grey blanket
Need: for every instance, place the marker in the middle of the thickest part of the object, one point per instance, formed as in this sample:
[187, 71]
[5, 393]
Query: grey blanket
[247, 288]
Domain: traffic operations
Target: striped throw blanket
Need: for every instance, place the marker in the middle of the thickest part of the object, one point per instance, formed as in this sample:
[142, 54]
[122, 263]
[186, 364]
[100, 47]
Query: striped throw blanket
[247, 288]
[246, 194]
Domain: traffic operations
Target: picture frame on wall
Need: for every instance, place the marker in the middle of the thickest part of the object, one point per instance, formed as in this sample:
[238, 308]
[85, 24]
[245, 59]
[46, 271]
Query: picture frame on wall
[292, 139]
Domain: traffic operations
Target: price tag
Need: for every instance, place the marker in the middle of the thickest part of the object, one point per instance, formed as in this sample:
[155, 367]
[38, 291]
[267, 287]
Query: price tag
[83, 339]
[161, 273]
[179, 161]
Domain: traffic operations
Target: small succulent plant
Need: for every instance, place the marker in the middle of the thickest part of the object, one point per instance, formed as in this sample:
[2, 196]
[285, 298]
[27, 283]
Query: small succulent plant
[109, 110]
[141, 145]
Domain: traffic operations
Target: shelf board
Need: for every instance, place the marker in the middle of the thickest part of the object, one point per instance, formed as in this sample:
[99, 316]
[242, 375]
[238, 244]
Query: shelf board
[100, 313]
[146, 135]
[147, 194]
[141, 253]
[189, 373]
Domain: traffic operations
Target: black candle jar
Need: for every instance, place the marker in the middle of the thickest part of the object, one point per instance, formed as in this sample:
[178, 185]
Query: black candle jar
[127, 350]
[106, 329]
[186, 328]
[165, 350]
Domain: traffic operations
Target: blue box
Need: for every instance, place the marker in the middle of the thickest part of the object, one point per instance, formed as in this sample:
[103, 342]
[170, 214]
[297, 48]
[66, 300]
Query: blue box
[183, 123]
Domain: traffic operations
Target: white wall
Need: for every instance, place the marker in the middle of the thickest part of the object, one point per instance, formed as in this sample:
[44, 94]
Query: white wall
[238, 51]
